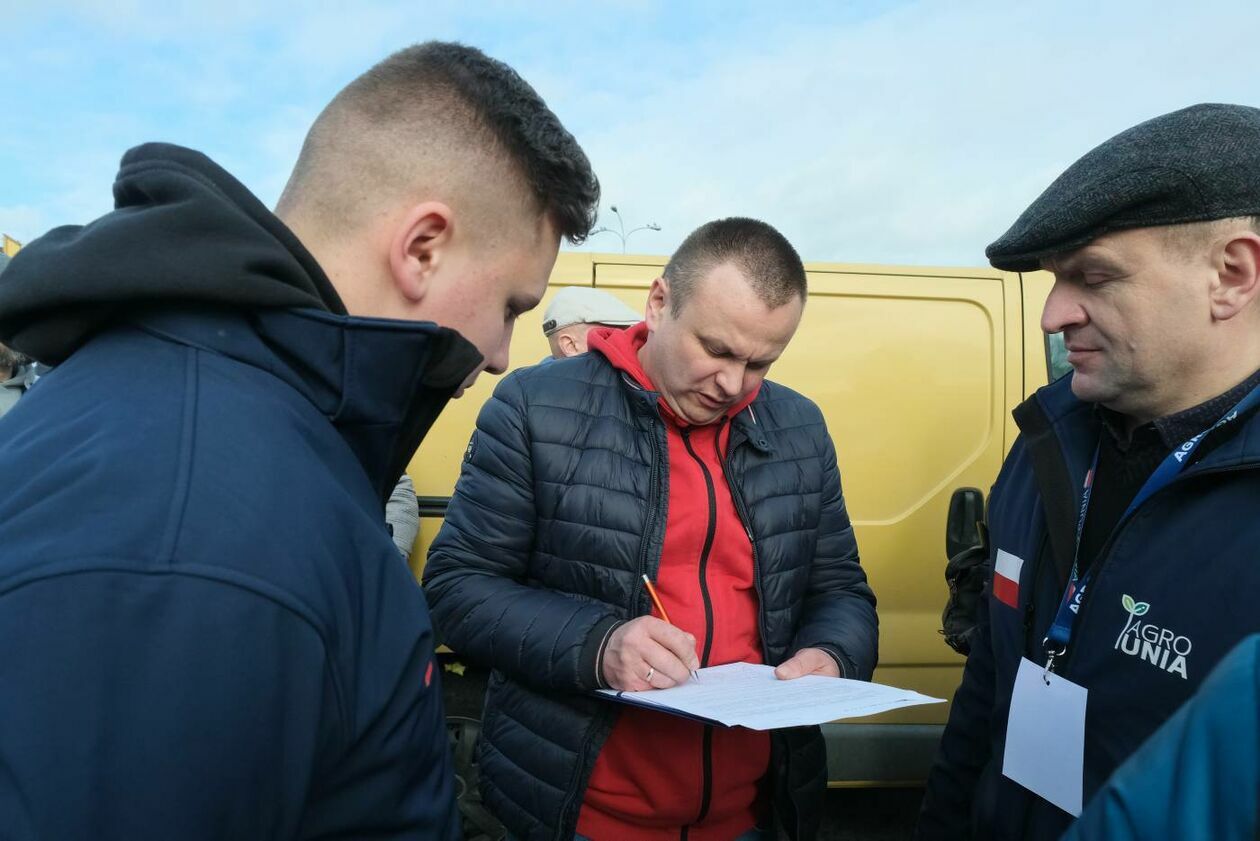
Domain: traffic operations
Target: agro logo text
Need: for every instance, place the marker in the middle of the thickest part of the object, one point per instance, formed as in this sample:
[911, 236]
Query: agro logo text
[1158, 646]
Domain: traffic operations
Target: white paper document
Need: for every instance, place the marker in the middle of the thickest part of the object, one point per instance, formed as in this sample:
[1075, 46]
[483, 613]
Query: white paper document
[1045, 736]
[749, 695]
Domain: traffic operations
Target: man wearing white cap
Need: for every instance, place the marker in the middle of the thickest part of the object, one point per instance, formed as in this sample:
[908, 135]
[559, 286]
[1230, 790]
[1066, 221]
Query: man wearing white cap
[574, 311]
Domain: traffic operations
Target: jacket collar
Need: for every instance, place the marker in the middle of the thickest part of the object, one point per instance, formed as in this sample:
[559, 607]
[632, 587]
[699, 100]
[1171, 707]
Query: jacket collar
[380, 382]
[745, 426]
[184, 232]
[1075, 426]
[1061, 433]
[621, 349]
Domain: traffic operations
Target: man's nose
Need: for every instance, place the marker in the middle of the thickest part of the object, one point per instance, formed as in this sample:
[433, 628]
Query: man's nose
[497, 362]
[1063, 308]
[730, 378]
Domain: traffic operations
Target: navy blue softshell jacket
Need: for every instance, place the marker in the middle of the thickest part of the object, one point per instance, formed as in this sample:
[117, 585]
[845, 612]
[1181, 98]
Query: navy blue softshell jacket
[207, 631]
[1173, 590]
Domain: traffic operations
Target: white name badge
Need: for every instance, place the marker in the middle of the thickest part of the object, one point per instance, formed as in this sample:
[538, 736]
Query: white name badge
[1045, 736]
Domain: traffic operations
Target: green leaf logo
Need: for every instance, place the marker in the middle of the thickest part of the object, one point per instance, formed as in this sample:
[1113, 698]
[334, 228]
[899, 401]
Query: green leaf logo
[1127, 601]
[1140, 608]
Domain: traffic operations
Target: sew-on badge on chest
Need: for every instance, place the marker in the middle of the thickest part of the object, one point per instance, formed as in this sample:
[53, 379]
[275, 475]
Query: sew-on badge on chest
[1006, 571]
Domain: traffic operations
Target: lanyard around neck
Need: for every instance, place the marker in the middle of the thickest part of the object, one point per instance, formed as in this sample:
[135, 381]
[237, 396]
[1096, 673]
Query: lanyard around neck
[1060, 633]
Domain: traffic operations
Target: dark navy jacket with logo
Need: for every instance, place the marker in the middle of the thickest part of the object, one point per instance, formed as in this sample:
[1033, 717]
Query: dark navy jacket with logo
[1173, 591]
[207, 631]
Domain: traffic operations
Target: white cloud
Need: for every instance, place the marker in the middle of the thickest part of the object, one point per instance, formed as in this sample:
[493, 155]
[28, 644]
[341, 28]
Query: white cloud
[915, 137]
[912, 136]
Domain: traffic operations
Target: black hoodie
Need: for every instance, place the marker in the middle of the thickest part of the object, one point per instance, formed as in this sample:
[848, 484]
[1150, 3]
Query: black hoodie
[183, 231]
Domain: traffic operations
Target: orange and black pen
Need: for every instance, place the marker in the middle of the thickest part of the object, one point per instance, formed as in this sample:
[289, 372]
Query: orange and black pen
[660, 608]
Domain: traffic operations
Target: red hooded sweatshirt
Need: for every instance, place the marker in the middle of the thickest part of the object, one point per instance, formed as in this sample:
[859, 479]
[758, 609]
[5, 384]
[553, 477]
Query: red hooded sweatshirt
[660, 776]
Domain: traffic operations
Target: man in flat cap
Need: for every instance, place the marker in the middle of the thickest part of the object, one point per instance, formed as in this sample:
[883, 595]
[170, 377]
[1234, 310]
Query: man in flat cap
[574, 311]
[1123, 522]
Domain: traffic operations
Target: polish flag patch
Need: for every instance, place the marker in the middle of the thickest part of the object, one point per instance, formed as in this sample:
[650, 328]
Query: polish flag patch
[1006, 571]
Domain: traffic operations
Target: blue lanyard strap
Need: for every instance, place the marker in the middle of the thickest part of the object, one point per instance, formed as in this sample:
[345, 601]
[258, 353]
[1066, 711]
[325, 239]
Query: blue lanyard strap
[1060, 633]
[1061, 629]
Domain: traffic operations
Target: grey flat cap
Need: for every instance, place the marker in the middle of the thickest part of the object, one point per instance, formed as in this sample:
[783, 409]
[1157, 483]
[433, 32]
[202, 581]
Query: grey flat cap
[1193, 165]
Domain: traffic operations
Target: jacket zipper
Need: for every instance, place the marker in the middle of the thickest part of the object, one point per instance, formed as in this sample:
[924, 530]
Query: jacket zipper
[1115, 534]
[711, 531]
[738, 499]
[654, 494]
[742, 512]
[709, 535]
[707, 745]
[1030, 610]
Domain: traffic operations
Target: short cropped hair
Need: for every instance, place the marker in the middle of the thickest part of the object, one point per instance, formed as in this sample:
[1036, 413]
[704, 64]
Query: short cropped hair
[430, 104]
[762, 255]
[1185, 240]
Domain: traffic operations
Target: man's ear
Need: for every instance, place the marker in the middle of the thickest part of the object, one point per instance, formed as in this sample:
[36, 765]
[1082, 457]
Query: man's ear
[657, 303]
[1237, 276]
[421, 240]
[568, 345]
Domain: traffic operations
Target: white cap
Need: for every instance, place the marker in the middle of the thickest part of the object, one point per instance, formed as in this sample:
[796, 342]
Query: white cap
[584, 305]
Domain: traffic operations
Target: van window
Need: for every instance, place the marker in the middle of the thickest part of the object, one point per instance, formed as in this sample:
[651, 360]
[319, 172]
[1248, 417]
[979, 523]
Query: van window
[1056, 356]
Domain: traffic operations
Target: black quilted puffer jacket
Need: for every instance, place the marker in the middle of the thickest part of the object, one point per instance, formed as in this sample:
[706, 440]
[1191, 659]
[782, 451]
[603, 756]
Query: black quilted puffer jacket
[560, 509]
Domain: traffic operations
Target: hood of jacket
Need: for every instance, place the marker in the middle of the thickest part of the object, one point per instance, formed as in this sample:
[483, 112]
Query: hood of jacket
[182, 230]
[621, 348]
[190, 254]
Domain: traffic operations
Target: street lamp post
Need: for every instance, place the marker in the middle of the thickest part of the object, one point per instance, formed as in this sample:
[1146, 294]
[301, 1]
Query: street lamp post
[620, 231]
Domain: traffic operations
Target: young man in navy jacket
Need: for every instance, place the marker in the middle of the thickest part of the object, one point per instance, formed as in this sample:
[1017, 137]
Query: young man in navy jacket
[1123, 522]
[208, 633]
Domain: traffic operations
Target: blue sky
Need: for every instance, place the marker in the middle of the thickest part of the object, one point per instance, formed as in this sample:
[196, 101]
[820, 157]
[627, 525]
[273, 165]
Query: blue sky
[884, 132]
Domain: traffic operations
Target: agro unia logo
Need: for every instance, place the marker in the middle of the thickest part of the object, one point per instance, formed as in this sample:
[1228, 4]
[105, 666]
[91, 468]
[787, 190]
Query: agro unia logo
[1158, 646]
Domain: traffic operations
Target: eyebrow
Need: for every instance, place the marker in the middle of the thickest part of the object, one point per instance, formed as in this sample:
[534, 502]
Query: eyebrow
[721, 349]
[1081, 262]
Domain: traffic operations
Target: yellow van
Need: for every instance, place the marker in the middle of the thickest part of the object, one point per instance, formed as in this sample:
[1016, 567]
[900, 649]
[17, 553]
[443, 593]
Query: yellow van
[917, 371]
